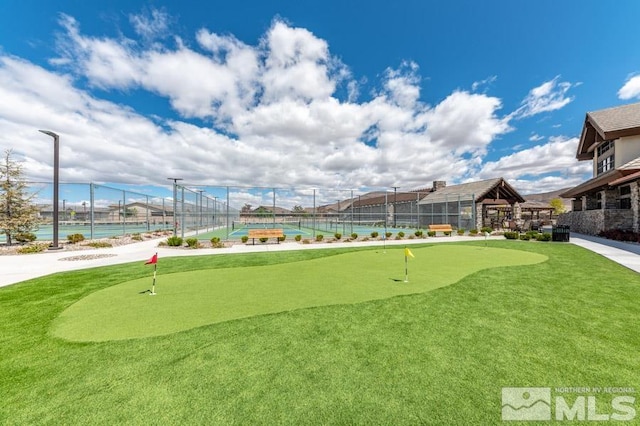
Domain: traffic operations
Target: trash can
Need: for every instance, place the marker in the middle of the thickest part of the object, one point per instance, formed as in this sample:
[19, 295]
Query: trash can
[560, 233]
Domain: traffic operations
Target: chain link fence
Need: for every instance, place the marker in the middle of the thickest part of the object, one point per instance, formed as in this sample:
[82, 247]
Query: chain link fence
[100, 211]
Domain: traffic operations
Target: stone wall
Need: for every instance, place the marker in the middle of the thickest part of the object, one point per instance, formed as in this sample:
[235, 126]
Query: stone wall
[592, 222]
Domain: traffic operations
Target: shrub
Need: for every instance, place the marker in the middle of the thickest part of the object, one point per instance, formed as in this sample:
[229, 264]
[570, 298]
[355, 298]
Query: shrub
[532, 234]
[620, 235]
[136, 237]
[419, 233]
[510, 235]
[525, 237]
[174, 241]
[374, 234]
[337, 235]
[460, 231]
[244, 238]
[192, 242]
[100, 244]
[263, 239]
[447, 233]
[33, 248]
[486, 229]
[401, 234]
[473, 232]
[431, 233]
[319, 237]
[543, 237]
[75, 238]
[215, 240]
[354, 236]
[388, 234]
[25, 237]
[298, 237]
[282, 238]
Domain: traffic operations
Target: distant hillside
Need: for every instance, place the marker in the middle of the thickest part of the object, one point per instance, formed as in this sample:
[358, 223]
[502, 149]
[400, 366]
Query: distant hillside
[546, 197]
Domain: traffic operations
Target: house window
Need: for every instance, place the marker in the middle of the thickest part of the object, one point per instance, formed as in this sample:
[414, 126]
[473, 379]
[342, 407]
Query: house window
[625, 203]
[625, 190]
[604, 147]
[606, 157]
[624, 199]
[599, 200]
[605, 164]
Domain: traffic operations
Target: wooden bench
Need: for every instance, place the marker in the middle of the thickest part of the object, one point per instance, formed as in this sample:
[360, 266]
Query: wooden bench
[441, 228]
[265, 233]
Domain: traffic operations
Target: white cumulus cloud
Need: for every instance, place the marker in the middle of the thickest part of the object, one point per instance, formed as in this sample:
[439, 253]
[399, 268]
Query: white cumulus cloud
[631, 88]
[269, 114]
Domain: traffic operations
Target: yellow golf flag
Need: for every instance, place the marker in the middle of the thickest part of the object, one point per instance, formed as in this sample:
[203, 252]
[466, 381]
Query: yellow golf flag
[407, 252]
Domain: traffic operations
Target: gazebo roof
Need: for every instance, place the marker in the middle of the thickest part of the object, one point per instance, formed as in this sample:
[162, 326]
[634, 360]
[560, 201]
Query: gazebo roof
[488, 191]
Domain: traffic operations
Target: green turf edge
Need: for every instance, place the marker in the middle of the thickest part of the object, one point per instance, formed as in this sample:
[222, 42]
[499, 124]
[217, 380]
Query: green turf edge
[437, 358]
[196, 298]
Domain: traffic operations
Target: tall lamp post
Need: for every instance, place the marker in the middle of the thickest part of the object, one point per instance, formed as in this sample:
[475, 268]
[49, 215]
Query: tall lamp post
[56, 181]
[201, 199]
[215, 210]
[395, 192]
[175, 205]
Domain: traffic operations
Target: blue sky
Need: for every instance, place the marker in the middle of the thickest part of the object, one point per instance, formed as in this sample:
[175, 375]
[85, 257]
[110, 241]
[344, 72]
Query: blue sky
[357, 94]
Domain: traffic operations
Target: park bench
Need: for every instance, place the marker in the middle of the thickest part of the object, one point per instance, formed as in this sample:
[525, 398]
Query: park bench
[441, 228]
[265, 233]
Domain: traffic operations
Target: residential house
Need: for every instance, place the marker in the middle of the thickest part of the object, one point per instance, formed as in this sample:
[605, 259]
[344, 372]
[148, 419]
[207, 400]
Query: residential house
[610, 139]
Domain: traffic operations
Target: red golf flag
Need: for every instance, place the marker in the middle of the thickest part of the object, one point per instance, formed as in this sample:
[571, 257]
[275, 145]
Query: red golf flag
[153, 260]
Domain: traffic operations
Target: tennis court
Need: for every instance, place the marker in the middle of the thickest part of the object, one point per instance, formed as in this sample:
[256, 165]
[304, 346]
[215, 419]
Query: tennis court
[290, 229]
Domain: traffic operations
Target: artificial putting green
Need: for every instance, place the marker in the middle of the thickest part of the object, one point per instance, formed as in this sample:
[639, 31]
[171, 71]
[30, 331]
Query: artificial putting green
[186, 300]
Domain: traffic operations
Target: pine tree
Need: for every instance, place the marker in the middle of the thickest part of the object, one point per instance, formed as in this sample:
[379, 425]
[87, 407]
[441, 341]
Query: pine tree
[18, 214]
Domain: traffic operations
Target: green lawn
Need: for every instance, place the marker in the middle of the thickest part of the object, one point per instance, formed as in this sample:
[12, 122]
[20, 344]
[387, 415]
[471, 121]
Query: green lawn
[195, 298]
[435, 357]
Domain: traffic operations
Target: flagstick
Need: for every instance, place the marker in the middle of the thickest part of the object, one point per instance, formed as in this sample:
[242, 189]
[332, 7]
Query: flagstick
[155, 269]
[153, 288]
[406, 267]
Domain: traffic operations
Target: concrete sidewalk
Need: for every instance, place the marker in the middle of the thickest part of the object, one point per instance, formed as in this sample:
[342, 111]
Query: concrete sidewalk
[17, 268]
[626, 254]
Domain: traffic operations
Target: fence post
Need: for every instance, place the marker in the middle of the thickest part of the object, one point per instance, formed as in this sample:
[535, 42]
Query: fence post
[91, 207]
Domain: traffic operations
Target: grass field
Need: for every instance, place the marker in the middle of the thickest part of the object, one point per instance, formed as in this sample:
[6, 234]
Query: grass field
[436, 356]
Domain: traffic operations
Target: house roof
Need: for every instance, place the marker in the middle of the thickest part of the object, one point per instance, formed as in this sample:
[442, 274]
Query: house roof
[595, 184]
[270, 209]
[391, 197]
[625, 173]
[607, 124]
[489, 190]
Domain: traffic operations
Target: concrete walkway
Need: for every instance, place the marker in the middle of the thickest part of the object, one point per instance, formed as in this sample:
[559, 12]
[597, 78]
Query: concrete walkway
[17, 268]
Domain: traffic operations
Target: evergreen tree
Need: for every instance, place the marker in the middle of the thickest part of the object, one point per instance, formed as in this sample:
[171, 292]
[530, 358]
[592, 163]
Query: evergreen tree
[18, 214]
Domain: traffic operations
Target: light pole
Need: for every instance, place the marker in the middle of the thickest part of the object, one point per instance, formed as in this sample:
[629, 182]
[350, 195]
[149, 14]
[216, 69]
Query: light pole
[215, 210]
[56, 180]
[201, 199]
[395, 189]
[175, 206]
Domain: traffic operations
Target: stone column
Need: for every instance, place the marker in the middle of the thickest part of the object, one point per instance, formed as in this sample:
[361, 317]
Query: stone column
[479, 218]
[635, 205]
